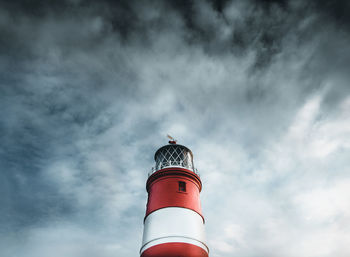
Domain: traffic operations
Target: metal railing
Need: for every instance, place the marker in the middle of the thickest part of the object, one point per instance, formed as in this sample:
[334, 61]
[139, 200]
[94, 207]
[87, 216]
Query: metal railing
[153, 170]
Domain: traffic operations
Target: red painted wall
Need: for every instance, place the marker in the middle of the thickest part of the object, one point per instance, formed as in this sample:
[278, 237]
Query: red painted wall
[174, 250]
[163, 191]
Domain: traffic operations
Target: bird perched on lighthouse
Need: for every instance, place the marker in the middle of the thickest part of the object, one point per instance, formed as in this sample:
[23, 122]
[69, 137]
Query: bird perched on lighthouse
[174, 223]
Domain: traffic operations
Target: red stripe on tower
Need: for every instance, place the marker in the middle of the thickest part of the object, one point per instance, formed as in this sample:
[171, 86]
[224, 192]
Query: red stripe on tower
[174, 224]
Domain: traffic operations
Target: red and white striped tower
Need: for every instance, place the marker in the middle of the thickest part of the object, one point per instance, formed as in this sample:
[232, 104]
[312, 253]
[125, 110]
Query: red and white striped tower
[174, 223]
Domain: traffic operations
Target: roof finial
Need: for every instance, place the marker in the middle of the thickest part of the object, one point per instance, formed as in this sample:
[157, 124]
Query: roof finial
[172, 140]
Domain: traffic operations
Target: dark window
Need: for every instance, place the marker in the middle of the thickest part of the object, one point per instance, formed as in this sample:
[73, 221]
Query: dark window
[182, 186]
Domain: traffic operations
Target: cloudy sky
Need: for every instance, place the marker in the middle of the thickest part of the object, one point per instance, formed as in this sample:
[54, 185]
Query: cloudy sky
[259, 90]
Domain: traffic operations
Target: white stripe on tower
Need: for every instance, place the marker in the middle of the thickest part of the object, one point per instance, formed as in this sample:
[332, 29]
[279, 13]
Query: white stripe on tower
[173, 224]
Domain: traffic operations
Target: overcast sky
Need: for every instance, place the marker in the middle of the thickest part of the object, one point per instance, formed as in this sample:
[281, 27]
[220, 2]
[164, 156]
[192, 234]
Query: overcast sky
[259, 90]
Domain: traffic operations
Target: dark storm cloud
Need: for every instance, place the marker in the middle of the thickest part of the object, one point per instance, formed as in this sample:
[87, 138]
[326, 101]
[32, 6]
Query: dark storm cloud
[88, 89]
[336, 11]
[39, 121]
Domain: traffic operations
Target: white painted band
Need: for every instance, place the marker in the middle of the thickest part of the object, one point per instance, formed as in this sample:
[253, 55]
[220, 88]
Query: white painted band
[173, 223]
[174, 239]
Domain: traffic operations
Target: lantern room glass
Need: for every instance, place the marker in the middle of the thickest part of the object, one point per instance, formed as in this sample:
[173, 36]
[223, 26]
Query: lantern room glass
[174, 155]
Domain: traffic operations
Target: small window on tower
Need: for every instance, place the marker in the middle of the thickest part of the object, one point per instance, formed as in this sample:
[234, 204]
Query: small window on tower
[182, 186]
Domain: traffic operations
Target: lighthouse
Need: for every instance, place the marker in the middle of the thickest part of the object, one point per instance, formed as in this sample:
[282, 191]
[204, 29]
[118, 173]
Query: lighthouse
[174, 223]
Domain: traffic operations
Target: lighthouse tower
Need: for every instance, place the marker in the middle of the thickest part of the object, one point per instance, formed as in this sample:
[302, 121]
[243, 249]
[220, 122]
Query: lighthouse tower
[174, 223]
